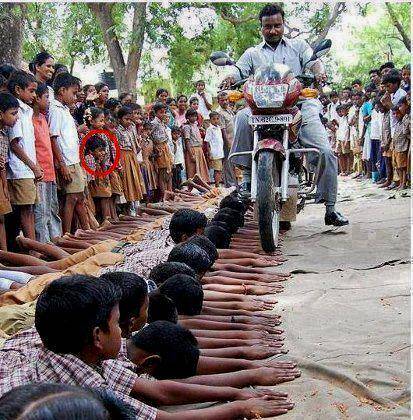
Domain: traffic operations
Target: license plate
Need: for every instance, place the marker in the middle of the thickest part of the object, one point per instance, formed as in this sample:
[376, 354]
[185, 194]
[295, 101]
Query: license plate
[270, 119]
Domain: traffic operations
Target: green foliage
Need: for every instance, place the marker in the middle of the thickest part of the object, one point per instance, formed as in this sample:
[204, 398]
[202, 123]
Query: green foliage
[375, 44]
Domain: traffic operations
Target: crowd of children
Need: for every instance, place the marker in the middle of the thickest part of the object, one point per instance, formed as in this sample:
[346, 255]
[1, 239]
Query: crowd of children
[53, 182]
[369, 127]
[191, 329]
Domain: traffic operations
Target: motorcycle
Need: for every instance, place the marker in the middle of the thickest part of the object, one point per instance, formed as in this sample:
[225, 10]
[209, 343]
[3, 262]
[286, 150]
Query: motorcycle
[273, 96]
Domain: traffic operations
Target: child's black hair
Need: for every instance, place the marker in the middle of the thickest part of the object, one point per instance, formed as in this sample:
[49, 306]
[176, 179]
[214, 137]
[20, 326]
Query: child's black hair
[190, 113]
[70, 308]
[185, 292]
[64, 80]
[7, 69]
[238, 217]
[49, 401]
[374, 71]
[392, 77]
[124, 110]
[111, 104]
[8, 101]
[213, 114]
[175, 129]
[192, 255]
[160, 91]
[203, 242]
[135, 106]
[186, 222]
[357, 82]
[232, 203]
[99, 86]
[41, 89]
[220, 237]
[193, 99]
[21, 79]
[123, 95]
[3, 81]
[161, 308]
[38, 60]
[134, 293]
[95, 142]
[93, 112]
[158, 106]
[388, 65]
[164, 271]
[181, 96]
[221, 224]
[176, 346]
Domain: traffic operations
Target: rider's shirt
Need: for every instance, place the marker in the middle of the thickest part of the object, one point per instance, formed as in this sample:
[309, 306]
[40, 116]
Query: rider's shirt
[292, 52]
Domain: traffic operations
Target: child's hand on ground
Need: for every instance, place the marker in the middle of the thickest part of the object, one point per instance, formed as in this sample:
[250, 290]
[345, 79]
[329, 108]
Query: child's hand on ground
[245, 394]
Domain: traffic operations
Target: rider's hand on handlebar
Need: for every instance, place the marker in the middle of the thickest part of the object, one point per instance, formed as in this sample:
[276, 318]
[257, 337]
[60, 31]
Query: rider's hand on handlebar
[227, 82]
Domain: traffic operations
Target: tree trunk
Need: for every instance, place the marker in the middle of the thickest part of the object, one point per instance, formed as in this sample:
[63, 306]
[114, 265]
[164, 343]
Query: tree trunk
[337, 10]
[125, 73]
[11, 33]
[405, 37]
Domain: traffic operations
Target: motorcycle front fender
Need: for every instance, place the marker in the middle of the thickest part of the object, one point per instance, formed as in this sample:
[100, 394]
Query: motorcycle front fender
[270, 145]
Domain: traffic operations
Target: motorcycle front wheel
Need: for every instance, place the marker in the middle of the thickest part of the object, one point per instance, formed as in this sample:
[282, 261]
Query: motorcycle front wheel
[268, 200]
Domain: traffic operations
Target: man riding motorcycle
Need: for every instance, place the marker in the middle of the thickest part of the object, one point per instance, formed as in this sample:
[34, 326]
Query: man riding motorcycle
[294, 53]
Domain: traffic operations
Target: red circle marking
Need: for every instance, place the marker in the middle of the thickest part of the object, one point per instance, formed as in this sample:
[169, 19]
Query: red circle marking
[112, 137]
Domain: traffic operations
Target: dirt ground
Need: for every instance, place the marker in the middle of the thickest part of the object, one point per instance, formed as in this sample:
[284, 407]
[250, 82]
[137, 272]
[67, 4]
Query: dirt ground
[346, 312]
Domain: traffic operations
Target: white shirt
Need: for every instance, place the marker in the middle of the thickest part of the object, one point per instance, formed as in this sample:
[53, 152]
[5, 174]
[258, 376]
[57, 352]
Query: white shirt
[170, 142]
[292, 52]
[179, 153]
[332, 112]
[203, 110]
[216, 142]
[395, 98]
[343, 129]
[376, 125]
[63, 126]
[24, 131]
[353, 128]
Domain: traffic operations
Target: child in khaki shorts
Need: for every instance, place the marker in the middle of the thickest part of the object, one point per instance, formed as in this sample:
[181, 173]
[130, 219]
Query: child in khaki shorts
[215, 142]
[9, 108]
[23, 169]
[65, 146]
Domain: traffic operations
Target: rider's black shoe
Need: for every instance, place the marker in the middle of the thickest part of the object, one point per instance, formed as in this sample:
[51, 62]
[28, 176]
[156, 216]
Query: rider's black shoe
[245, 189]
[285, 226]
[336, 219]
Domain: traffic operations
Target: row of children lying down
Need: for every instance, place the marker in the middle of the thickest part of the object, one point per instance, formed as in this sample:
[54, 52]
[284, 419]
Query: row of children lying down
[90, 332]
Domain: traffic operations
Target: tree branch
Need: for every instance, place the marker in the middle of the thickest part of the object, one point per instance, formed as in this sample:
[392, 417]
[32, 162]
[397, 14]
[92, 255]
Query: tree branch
[337, 10]
[405, 38]
[136, 42]
[103, 14]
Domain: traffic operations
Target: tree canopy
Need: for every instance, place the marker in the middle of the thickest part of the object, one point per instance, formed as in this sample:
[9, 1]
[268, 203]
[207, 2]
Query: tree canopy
[126, 35]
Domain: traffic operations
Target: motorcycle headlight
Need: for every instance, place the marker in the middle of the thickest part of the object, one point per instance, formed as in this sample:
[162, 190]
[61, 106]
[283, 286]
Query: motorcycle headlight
[269, 96]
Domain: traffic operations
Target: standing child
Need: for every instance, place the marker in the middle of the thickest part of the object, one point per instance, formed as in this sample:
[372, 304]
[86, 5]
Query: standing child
[23, 170]
[114, 177]
[46, 212]
[401, 140]
[99, 187]
[65, 146]
[131, 175]
[204, 100]
[375, 138]
[343, 140]
[215, 143]
[195, 161]
[179, 159]
[163, 159]
[147, 154]
[9, 110]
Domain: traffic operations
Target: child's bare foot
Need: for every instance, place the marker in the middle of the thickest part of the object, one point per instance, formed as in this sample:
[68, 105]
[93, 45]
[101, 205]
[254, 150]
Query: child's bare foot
[257, 408]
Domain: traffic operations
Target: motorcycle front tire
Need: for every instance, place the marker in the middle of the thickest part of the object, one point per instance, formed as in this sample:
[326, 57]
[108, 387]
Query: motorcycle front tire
[268, 200]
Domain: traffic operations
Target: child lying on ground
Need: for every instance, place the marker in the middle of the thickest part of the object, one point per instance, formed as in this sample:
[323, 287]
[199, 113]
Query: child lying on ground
[92, 335]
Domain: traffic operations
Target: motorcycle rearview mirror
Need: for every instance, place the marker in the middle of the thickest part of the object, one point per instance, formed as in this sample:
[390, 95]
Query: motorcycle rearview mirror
[322, 48]
[220, 58]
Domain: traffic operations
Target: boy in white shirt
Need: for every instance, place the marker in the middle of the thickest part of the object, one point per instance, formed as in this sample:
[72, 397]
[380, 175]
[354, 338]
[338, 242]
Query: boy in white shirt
[215, 143]
[375, 138]
[23, 170]
[179, 159]
[343, 140]
[204, 100]
[65, 146]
